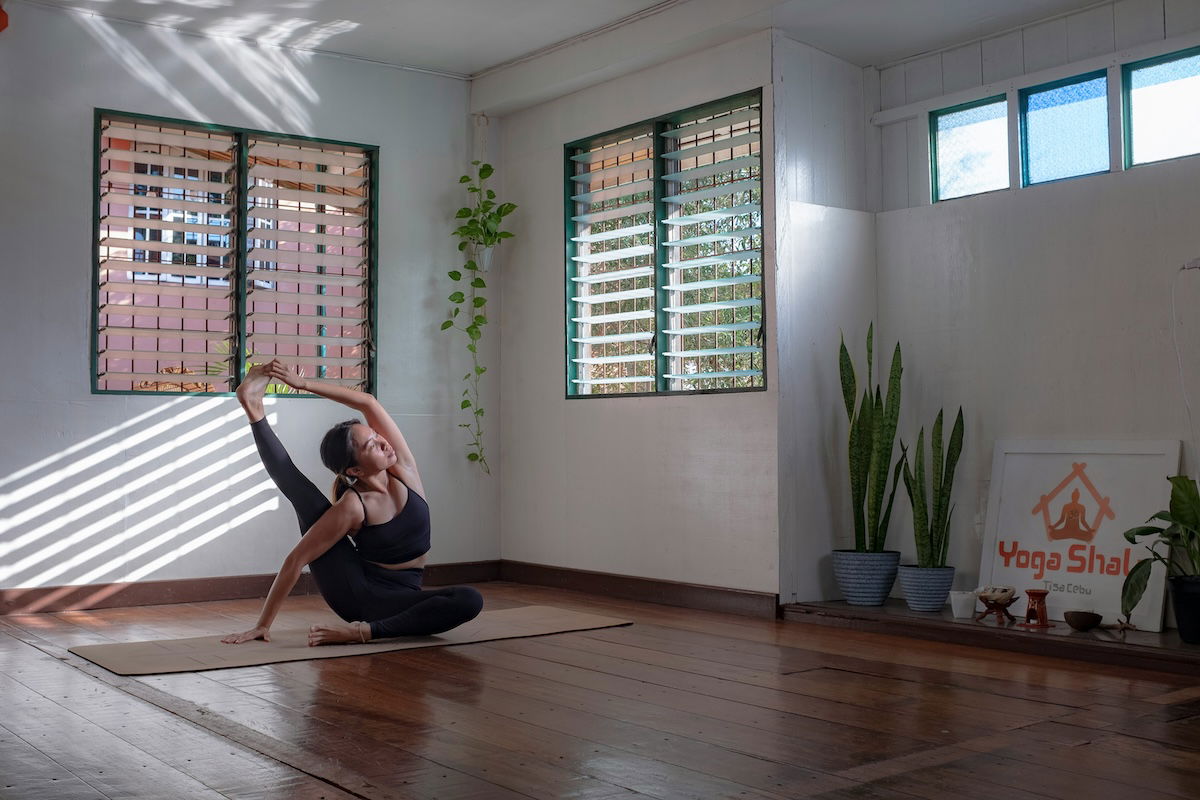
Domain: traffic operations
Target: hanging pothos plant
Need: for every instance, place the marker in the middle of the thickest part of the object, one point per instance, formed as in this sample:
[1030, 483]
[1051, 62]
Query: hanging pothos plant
[478, 233]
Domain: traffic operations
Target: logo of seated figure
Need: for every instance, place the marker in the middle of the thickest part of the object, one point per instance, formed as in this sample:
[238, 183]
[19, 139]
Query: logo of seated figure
[1072, 519]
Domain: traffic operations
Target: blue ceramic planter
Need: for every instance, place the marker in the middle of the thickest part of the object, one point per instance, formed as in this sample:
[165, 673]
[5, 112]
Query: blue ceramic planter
[926, 588]
[865, 578]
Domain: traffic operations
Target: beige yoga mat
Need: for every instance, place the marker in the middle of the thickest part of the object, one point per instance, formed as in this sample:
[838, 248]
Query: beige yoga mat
[208, 652]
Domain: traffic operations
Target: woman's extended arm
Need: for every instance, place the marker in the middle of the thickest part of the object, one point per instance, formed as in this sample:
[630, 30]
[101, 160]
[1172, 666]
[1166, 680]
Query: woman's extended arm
[365, 404]
[342, 517]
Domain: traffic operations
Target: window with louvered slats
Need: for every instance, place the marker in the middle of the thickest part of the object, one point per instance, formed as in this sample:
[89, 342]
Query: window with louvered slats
[219, 248]
[664, 255]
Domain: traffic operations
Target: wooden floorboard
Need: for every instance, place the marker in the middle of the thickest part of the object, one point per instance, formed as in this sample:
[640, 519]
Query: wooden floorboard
[682, 704]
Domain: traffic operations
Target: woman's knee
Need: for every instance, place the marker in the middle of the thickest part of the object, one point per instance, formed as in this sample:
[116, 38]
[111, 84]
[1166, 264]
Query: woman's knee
[468, 600]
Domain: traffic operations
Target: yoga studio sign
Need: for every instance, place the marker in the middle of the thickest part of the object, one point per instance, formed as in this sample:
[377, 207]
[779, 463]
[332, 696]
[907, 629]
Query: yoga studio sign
[1057, 512]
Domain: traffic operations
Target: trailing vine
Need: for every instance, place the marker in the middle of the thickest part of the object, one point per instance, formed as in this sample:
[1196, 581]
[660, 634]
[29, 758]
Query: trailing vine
[478, 233]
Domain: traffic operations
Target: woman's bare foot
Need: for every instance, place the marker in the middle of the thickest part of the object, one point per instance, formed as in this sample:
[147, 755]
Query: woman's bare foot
[352, 633]
[250, 391]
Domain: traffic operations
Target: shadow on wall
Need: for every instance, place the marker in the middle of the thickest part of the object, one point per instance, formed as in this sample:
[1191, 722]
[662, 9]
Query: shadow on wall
[265, 51]
[126, 502]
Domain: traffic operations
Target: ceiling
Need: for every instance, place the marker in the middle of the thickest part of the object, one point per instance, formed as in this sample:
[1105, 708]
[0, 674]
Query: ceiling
[468, 37]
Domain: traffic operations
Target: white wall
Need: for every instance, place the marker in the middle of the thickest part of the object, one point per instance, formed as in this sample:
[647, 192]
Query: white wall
[1045, 313]
[148, 506]
[825, 283]
[674, 488]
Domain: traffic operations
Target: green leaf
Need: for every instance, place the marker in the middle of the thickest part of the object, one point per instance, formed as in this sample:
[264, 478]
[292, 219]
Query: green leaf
[474, 333]
[455, 313]
[479, 301]
[504, 235]
[1132, 534]
[465, 179]
[471, 348]
[465, 404]
[849, 389]
[455, 275]
[491, 195]
[479, 412]
[475, 163]
[464, 424]
[1185, 502]
[480, 370]
[504, 209]
[447, 324]
[472, 456]
[463, 213]
[462, 245]
[466, 377]
[478, 283]
[457, 297]
[485, 171]
[471, 265]
[480, 319]
[1135, 586]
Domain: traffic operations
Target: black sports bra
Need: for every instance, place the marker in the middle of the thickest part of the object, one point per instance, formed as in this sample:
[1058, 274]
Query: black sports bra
[402, 538]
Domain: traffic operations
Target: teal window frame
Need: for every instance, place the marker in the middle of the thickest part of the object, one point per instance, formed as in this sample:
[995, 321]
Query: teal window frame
[1127, 108]
[933, 166]
[655, 126]
[241, 135]
[1023, 108]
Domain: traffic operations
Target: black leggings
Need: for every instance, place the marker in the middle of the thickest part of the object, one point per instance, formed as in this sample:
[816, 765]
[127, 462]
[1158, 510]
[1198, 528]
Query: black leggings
[391, 600]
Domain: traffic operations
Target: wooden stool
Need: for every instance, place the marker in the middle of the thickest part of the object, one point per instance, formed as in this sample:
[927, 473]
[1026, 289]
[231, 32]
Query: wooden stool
[999, 608]
[1037, 610]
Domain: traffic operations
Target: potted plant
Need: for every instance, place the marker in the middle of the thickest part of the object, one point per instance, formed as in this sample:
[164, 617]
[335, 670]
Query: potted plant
[478, 233]
[865, 574]
[927, 583]
[1180, 538]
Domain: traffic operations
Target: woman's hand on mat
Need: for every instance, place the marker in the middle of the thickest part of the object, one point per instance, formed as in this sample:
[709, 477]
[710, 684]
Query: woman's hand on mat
[250, 635]
[282, 372]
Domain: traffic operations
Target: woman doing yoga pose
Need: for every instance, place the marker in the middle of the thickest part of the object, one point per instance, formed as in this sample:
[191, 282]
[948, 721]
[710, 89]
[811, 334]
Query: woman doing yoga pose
[373, 580]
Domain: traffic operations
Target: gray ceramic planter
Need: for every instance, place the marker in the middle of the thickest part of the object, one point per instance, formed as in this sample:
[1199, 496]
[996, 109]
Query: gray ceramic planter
[865, 578]
[926, 588]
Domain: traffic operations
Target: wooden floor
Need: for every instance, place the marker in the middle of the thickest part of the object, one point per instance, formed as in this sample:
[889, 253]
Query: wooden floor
[682, 704]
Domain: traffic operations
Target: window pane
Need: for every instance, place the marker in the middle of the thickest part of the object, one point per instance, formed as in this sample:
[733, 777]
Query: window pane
[713, 185]
[1164, 110]
[1066, 130]
[971, 149]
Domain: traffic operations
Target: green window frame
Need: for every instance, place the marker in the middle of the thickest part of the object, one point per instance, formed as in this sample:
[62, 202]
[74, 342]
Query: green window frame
[664, 255]
[1023, 111]
[1127, 71]
[934, 153]
[249, 245]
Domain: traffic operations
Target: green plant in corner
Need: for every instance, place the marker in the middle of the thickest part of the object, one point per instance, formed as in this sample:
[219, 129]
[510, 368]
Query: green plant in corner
[872, 436]
[932, 530]
[478, 233]
[1181, 538]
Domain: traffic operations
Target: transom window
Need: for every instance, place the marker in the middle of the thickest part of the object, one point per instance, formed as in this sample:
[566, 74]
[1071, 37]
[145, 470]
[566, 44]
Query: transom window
[664, 254]
[218, 248]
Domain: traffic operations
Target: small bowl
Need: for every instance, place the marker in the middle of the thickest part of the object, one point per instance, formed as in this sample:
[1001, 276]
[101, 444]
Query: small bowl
[1082, 620]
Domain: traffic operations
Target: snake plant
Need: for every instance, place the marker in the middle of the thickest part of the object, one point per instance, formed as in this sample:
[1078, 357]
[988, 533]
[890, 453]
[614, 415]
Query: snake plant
[932, 530]
[872, 437]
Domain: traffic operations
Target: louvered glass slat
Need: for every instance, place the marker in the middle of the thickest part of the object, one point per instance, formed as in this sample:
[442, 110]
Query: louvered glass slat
[615, 359]
[731, 327]
[616, 337]
[264, 153]
[282, 256]
[612, 297]
[179, 270]
[722, 258]
[713, 351]
[619, 212]
[631, 189]
[714, 191]
[619, 233]
[114, 200]
[617, 173]
[119, 156]
[694, 151]
[714, 215]
[305, 176]
[741, 233]
[116, 266]
[309, 213]
[639, 379]
[616, 275]
[164, 181]
[615, 151]
[708, 170]
[692, 286]
[624, 316]
[719, 305]
[713, 123]
[619, 254]
[700, 376]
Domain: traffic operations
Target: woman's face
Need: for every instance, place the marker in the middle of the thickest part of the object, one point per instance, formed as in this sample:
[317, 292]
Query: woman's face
[372, 452]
